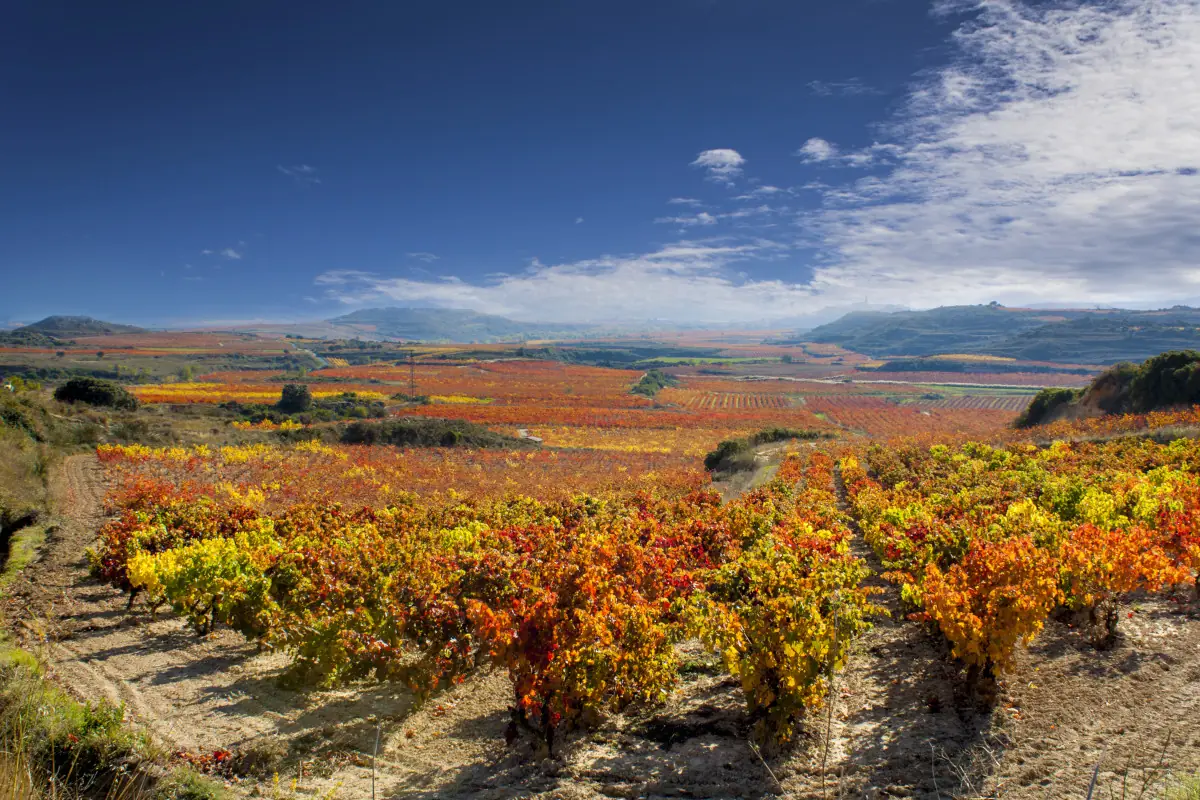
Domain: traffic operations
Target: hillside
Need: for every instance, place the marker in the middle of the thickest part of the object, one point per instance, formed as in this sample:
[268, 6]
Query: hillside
[66, 326]
[1106, 339]
[1169, 380]
[951, 329]
[443, 324]
[1070, 335]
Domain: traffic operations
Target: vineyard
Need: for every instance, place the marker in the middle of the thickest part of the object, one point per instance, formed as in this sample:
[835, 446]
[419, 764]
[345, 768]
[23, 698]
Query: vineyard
[585, 591]
[579, 600]
[694, 400]
[988, 542]
[268, 477]
[877, 417]
[1014, 403]
[573, 406]
[579, 574]
[979, 378]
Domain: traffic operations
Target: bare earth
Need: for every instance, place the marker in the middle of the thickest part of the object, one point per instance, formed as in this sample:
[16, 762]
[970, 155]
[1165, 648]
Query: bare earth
[899, 726]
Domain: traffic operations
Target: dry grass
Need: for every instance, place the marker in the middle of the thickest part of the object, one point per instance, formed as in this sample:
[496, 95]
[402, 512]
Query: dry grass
[16, 779]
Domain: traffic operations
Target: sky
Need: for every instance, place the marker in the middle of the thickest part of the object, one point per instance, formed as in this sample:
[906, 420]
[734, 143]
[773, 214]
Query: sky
[724, 161]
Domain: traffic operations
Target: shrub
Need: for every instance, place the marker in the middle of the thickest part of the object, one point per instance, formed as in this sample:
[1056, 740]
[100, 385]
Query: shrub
[783, 616]
[735, 455]
[96, 392]
[1169, 379]
[1044, 404]
[997, 596]
[652, 382]
[423, 432]
[295, 398]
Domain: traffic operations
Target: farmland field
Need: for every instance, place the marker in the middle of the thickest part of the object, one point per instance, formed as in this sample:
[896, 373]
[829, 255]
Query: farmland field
[584, 407]
[583, 583]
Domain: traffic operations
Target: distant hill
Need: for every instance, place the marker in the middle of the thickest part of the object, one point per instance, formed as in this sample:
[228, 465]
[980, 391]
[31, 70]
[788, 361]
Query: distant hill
[951, 329]
[26, 338]
[61, 327]
[1106, 338]
[444, 324]
[1062, 335]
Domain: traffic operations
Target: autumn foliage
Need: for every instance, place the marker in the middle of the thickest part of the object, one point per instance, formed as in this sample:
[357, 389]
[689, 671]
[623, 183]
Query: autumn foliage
[580, 598]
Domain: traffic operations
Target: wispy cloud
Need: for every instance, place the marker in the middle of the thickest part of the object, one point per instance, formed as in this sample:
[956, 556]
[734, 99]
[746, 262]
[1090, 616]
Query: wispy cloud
[688, 280]
[703, 218]
[684, 201]
[579, 220]
[760, 192]
[722, 165]
[231, 254]
[1053, 159]
[428, 258]
[820, 151]
[301, 173]
[846, 88]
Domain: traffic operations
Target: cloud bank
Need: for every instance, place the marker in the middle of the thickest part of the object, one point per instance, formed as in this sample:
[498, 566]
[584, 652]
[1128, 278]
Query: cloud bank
[1056, 157]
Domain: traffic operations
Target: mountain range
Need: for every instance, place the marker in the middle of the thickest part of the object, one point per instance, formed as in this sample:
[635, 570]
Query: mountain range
[1070, 336]
[449, 324]
[1087, 336]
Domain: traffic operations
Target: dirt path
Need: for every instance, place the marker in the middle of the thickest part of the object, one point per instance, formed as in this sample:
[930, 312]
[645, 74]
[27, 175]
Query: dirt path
[894, 706]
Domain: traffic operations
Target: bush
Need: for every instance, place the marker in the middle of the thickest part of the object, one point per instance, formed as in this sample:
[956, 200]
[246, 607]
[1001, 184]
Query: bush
[1166, 380]
[735, 455]
[1169, 379]
[295, 399]
[652, 382]
[95, 392]
[421, 432]
[187, 784]
[1044, 404]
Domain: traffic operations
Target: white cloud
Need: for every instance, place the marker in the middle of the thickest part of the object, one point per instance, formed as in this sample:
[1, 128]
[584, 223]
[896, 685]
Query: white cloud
[428, 258]
[301, 173]
[684, 201]
[851, 87]
[819, 151]
[688, 280]
[816, 150]
[579, 220]
[722, 165]
[703, 218]
[231, 254]
[760, 192]
[1053, 160]
[206, 252]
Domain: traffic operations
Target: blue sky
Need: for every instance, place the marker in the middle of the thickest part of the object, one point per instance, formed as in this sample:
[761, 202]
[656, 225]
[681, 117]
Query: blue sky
[692, 160]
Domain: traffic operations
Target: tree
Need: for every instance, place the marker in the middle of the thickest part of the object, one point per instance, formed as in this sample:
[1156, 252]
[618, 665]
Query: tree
[295, 398]
[95, 392]
[60, 354]
[99, 354]
[786, 358]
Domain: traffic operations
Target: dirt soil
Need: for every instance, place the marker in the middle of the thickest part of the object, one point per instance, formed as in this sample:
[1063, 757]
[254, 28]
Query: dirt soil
[900, 723]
